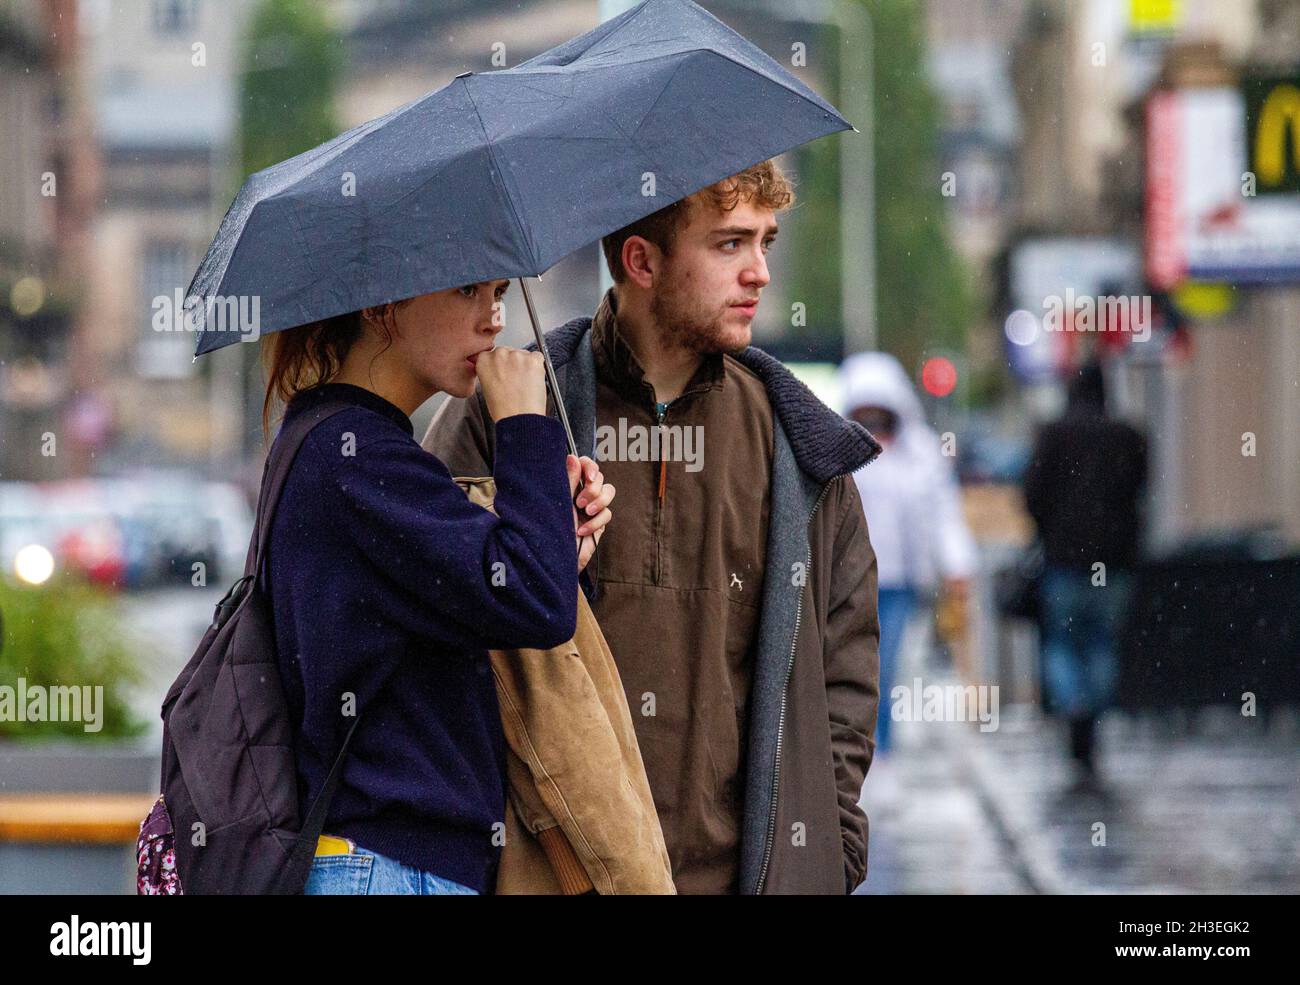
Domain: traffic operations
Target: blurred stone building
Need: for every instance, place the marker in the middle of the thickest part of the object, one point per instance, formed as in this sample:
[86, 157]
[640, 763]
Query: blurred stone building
[1084, 72]
[164, 77]
[47, 198]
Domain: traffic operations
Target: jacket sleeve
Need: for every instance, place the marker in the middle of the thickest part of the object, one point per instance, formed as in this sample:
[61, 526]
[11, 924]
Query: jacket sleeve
[1037, 479]
[852, 663]
[462, 435]
[453, 571]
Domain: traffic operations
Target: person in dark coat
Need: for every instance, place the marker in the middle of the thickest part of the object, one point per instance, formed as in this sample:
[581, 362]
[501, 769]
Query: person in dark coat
[389, 585]
[1082, 488]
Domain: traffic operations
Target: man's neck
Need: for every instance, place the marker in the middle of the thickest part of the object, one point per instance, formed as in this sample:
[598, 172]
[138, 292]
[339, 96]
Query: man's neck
[667, 369]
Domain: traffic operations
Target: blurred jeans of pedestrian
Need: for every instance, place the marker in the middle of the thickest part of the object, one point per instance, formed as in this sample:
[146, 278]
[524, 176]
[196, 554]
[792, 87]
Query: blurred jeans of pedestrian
[1081, 624]
[367, 873]
[894, 606]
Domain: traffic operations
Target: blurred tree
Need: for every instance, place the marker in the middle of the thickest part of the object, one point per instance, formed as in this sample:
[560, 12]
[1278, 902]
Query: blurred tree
[923, 302]
[293, 63]
[814, 242]
[922, 297]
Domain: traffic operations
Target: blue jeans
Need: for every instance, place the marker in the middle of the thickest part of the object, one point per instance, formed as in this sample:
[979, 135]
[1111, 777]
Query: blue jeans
[1081, 624]
[367, 873]
[894, 606]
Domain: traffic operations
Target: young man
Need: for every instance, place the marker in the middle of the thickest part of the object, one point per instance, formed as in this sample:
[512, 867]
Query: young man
[737, 587]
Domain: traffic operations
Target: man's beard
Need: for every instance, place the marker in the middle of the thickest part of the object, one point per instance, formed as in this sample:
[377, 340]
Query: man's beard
[688, 325]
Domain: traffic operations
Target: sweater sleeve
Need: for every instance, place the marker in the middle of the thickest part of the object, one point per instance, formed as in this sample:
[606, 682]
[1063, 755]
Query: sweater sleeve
[450, 570]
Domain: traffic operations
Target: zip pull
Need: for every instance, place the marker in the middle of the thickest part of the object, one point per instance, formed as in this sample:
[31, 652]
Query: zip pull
[660, 410]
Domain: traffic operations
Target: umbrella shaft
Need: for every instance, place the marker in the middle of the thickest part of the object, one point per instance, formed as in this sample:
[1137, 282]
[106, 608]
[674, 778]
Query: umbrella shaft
[551, 380]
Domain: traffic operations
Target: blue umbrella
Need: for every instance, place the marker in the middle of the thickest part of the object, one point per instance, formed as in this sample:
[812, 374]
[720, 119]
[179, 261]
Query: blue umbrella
[502, 174]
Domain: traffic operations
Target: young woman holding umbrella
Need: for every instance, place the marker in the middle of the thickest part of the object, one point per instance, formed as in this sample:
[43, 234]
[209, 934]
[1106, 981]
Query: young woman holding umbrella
[388, 585]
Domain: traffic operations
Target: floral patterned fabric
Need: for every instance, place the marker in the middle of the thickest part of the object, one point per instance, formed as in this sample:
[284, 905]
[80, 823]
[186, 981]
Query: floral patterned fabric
[155, 855]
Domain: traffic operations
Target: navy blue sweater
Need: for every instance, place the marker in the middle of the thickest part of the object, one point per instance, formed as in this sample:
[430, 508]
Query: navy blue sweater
[381, 573]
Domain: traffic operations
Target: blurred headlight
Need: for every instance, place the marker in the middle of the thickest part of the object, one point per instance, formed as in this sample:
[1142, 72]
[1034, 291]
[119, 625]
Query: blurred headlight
[34, 564]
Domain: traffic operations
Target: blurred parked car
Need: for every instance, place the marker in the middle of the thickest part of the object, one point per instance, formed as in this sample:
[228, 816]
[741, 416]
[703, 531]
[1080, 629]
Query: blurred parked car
[141, 530]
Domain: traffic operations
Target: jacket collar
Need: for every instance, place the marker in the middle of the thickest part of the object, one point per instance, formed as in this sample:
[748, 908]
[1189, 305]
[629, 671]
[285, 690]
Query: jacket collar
[825, 444]
[351, 393]
[618, 364]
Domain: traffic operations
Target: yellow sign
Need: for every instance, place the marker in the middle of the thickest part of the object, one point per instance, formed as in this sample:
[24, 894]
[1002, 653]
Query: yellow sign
[1154, 16]
[1202, 299]
[1281, 109]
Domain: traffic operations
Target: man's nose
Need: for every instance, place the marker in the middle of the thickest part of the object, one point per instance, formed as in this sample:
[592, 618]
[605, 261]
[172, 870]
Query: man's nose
[755, 274]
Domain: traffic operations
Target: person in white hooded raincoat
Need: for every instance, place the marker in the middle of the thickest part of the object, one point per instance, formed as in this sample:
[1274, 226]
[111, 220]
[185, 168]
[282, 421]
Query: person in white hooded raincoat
[912, 504]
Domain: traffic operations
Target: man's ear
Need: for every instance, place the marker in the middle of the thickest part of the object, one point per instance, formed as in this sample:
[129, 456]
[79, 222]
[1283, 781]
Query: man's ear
[642, 260]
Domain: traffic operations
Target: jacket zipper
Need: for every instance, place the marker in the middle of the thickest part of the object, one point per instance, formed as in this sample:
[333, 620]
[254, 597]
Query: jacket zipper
[661, 412]
[780, 725]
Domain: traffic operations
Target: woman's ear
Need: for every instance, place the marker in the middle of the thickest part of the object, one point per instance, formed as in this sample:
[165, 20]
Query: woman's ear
[381, 318]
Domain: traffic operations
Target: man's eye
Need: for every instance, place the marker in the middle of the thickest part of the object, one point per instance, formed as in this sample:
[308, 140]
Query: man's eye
[501, 292]
[469, 290]
[730, 242]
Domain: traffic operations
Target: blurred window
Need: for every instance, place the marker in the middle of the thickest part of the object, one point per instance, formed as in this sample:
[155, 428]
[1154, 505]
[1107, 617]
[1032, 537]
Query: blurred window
[172, 17]
[165, 269]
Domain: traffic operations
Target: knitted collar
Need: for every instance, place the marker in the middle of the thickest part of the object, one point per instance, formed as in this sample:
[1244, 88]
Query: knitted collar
[825, 444]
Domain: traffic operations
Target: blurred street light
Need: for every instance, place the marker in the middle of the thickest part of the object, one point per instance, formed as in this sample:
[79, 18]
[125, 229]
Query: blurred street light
[34, 564]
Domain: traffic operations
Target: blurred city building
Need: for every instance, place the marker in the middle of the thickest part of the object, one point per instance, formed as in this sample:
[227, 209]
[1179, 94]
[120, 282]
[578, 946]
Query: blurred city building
[164, 78]
[1215, 385]
[46, 203]
[129, 113]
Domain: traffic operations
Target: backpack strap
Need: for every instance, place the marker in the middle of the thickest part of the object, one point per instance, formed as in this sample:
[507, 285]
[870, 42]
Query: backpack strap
[278, 462]
[304, 849]
[276, 470]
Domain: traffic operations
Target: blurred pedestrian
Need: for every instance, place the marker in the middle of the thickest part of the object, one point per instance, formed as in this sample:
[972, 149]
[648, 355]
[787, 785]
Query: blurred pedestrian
[912, 504]
[1081, 488]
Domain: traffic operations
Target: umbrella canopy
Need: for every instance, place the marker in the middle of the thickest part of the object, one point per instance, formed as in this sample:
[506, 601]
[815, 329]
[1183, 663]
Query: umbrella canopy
[503, 174]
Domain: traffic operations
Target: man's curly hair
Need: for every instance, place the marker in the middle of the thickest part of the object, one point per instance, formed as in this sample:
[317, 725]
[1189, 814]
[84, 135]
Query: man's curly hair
[764, 184]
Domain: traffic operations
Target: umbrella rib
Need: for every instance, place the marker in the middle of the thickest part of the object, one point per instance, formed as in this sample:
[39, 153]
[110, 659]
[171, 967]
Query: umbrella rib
[500, 178]
[753, 71]
[519, 70]
[644, 116]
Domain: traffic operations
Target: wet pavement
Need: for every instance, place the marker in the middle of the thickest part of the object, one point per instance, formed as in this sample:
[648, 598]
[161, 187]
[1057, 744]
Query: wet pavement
[1206, 803]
